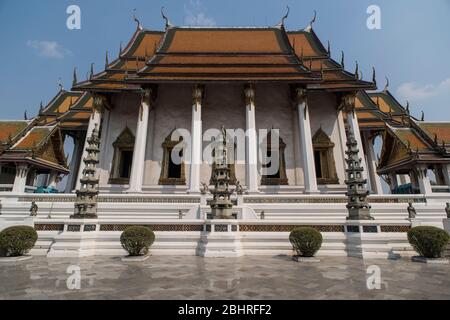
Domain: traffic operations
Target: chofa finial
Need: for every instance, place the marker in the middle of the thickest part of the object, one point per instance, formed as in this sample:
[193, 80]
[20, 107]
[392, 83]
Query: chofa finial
[139, 26]
[106, 60]
[357, 70]
[342, 60]
[168, 23]
[386, 87]
[422, 117]
[74, 79]
[281, 23]
[374, 76]
[61, 88]
[309, 27]
[91, 73]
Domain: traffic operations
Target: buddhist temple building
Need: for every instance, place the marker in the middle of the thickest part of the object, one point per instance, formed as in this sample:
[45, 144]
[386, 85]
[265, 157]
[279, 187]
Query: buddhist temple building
[247, 79]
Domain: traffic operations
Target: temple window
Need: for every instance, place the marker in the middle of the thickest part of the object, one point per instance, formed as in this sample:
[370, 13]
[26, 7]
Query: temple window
[277, 177]
[172, 172]
[123, 158]
[324, 159]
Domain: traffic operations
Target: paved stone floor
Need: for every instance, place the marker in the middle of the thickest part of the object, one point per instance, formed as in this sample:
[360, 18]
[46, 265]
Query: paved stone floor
[166, 277]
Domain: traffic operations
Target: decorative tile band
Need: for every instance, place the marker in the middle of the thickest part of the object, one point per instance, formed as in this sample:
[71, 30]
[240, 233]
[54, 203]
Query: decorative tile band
[154, 227]
[49, 227]
[395, 228]
[331, 200]
[288, 228]
[111, 199]
[73, 228]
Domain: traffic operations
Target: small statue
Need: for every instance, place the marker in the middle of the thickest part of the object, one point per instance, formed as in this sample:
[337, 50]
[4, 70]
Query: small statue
[447, 210]
[239, 189]
[411, 211]
[204, 189]
[33, 209]
[262, 215]
[180, 214]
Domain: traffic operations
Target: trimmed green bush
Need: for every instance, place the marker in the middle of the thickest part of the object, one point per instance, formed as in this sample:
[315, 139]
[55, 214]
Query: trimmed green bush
[306, 241]
[137, 240]
[429, 242]
[17, 240]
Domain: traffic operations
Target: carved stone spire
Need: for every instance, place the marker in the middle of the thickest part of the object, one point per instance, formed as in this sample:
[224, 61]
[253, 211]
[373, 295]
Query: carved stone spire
[221, 205]
[86, 202]
[357, 205]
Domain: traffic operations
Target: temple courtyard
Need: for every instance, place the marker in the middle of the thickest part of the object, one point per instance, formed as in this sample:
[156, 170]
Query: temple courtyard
[246, 278]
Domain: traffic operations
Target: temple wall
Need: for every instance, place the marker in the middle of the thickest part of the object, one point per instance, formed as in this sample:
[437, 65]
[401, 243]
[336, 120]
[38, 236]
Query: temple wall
[172, 109]
[323, 113]
[274, 108]
[224, 105]
[123, 114]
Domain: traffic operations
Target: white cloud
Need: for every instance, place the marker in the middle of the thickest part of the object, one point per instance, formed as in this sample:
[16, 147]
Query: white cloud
[49, 49]
[195, 15]
[415, 92]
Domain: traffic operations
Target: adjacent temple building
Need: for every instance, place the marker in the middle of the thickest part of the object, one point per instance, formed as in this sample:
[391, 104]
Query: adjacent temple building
[199, 78]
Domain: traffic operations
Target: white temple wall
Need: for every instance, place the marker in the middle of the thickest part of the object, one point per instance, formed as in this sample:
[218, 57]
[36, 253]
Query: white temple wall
[124, 113]
[323, 113]
[274, 108]
[223, 105]
[171, 110]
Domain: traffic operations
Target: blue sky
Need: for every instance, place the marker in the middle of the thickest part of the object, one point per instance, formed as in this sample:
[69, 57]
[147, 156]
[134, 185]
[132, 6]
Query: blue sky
[412, 48]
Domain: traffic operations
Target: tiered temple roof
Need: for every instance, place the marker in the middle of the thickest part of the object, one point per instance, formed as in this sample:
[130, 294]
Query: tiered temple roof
[200, 55]
[40, 146]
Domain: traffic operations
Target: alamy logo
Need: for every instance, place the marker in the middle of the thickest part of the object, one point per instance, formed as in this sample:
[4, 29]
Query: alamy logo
[373, 281]
[374, 20]
[74, 19]
[73, 282]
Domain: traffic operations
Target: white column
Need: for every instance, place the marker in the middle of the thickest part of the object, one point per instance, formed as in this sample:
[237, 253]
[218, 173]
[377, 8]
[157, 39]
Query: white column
[53, 180]
[21, 178]
[404, 179]
[393, 177]
[375, 180]
[446, 173]
[196, 140]
[423, 180]
[75, 161]
[306, 146]
[251, 145]
[140, 144]
[94, 120]
[352, 121]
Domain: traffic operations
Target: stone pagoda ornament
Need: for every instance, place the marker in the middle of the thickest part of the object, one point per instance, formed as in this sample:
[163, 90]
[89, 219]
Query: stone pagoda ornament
[86, 202]
[357, 205]
[221, 204]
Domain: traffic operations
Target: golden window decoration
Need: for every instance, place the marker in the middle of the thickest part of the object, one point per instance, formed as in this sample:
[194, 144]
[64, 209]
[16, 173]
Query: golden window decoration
[123, 158]
[324, 159]
[279, 177]
[172, 172]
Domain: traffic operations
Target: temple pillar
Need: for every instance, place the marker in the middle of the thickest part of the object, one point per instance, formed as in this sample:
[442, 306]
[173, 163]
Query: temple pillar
[404, 179]
[423, 180]
[446, 174]
[140, 144]
[21, 178]
[93, 121]
[53, 179]
[393, 178]
[306, 146]
[75, 161]
[374, 178]
[196, 140]
[251, 145]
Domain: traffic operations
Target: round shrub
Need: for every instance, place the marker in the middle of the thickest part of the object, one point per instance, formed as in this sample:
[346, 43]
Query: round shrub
[306, 241]
[428, 241]
[17, 240]
[137, 240]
